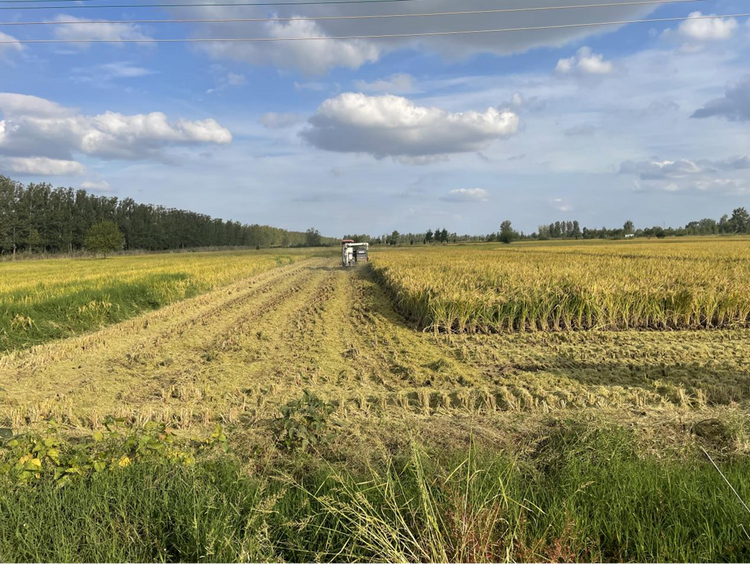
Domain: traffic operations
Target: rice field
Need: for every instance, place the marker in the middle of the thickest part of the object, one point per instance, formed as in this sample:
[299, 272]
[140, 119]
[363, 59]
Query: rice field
[291, 410]
[48, 299]
[686, 284]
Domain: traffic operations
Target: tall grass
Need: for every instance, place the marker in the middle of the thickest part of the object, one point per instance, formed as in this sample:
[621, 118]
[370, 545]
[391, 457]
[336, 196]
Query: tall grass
[577, 287]
[580, 497]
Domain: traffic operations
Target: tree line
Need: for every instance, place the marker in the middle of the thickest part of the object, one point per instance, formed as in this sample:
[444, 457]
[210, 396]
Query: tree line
[736, 224]
[39, 218]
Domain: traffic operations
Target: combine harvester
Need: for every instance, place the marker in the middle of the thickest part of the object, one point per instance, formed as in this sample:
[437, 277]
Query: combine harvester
[353, 253]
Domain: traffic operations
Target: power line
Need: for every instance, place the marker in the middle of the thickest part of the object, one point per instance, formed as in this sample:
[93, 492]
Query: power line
[360, 17]
[378, 36]
[184, 5]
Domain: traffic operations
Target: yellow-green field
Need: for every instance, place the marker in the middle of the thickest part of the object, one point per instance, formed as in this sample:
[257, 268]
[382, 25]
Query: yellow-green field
[47, 299]
[552, 403]
[693, 284]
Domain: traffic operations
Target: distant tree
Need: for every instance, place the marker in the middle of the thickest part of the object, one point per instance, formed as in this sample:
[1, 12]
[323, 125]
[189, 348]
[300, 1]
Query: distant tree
[576, 233]
[507, 233]
[313, 238]
[740, 221]
[428, 236]
[393, 239]
[628, 228]
[104, 238]
[444, 235]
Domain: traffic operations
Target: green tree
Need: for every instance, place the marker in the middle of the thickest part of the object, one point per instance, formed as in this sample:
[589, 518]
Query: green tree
[104, 237]
[628, 228]
[740, 221]
[313, 238]
[507, 233]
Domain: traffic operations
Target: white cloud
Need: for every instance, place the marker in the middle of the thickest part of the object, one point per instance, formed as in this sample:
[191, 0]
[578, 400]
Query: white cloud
[6, 48]
[393, 126]
[584, 62]
[316, 57]
[273, 120]
[729, 185]
[734, 106]
[96, 186]
[22, 105]
[707, 29]
[33, 127]
[400, 83]
[652, 170]
[467, 195]
[309, 57]
[95, 31]
[107, 72]
[686, 175]
[561, 205]
[41, 166]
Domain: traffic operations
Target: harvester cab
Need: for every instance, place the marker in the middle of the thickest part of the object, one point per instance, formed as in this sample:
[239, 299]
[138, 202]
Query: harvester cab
[353, 253]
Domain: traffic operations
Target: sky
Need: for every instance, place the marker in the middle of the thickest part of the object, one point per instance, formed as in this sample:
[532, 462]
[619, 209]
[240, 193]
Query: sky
[642, 122]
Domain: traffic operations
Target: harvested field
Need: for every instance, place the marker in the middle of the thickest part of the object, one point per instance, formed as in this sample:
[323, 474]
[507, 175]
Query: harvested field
[348, 428]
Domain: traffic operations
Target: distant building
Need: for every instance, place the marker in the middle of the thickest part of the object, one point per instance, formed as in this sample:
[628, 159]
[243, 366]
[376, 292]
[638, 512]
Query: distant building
[629, 235]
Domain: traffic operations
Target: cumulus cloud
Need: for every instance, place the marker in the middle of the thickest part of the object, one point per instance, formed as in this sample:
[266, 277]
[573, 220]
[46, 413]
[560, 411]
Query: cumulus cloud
[466, 195]
[384, 126]
[584, 62]
[707, 29]
[400, 83]
[46, 135]
[40, 166]
[734, 106]
[273, 120]
[96, 31]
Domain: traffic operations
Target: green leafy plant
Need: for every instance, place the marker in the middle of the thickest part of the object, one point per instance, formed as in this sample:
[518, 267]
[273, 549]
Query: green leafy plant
[303, 423]
[30, 458]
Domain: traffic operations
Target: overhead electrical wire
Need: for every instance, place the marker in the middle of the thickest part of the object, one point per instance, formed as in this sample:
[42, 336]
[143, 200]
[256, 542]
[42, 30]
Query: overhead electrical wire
[359, 17]
[373, 36]
[184, 5]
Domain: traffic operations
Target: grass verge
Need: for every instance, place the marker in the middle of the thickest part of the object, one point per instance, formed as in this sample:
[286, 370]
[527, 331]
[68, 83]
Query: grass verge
[581, 496]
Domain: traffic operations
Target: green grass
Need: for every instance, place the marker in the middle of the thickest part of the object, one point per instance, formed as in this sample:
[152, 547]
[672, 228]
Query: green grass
[581, 496]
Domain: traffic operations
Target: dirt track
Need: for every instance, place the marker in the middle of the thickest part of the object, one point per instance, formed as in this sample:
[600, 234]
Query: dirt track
[238, 352]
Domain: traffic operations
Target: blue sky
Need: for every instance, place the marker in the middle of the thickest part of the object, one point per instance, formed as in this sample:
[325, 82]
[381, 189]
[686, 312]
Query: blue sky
[644, 122]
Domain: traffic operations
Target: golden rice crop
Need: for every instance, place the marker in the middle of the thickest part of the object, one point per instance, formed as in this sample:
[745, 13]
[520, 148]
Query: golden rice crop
[690, 284]
[47, 299]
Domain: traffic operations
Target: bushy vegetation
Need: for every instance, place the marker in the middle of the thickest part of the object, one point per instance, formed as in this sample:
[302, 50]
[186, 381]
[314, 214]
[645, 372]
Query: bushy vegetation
[581, 496]
[45, 300]
[558, 287]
